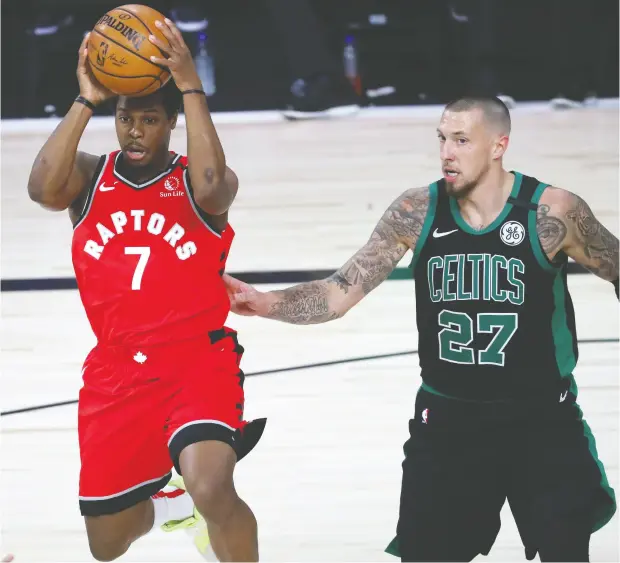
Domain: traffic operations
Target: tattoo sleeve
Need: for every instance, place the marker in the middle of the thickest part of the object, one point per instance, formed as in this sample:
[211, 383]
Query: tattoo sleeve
[325, 300]
[594, 246]
[565, 222]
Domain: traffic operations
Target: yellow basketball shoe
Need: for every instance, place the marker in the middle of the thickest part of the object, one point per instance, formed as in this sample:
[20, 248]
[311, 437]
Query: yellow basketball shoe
[194, 525]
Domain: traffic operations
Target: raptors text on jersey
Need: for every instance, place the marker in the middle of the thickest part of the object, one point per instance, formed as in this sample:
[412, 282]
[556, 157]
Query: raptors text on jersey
[148, 264]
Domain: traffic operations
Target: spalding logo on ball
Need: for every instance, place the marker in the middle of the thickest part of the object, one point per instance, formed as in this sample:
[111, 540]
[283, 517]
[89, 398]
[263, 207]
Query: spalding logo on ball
[119, 51]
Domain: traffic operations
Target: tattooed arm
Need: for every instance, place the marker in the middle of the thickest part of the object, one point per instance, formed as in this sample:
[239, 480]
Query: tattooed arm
[328, 299]
[565, 223]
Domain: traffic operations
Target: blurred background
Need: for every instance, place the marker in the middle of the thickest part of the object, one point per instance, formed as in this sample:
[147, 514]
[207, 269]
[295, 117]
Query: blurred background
[305, 57]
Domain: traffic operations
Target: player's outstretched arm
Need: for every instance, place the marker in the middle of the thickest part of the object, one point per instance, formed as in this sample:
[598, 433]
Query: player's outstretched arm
[566, 223]
[215, 186]
[60, 172]
[328, 299]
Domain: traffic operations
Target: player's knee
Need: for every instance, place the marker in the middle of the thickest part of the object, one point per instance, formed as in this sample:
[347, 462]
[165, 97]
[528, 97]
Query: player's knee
[106, 550]
[107, 543]
[214, 497]
[208, 474]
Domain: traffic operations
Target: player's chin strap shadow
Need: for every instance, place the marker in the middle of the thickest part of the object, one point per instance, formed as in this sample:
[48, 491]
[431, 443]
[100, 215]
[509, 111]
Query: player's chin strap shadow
[249, 436]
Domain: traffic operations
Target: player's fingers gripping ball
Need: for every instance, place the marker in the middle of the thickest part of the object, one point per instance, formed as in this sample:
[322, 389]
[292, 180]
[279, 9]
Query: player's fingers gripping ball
[119, 51]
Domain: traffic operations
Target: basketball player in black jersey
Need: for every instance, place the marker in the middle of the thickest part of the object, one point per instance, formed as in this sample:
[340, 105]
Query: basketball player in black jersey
[496, 416]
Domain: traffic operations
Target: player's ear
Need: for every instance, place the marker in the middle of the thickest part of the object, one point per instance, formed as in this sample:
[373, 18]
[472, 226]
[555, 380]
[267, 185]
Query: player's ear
[500, 146]
[173, 120]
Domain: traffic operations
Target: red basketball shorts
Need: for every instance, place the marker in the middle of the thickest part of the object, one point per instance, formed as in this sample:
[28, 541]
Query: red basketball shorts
[139, 408]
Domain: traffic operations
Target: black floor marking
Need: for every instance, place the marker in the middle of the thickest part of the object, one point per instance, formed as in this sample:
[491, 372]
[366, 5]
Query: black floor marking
[297, 368]
[280, 276]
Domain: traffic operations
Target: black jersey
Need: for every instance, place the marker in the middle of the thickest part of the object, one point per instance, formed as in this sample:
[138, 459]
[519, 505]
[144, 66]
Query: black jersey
[494, 315]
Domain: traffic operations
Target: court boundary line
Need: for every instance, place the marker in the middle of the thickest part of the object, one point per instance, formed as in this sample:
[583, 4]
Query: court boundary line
[272, 371]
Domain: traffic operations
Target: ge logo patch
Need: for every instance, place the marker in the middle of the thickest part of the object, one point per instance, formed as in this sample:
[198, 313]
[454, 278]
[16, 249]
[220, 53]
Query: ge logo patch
[171, 183]
[512, 233]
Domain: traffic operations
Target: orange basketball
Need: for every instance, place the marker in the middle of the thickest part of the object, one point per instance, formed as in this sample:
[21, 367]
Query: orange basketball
[119, 51]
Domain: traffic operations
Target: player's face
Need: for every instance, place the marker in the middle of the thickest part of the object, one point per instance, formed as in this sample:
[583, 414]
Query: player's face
[466, 148]
[143, 129]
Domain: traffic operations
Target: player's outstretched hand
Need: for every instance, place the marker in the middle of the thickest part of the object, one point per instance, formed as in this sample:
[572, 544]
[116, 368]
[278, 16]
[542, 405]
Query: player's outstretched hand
[178, 57]
[89, 86]
[244, 299]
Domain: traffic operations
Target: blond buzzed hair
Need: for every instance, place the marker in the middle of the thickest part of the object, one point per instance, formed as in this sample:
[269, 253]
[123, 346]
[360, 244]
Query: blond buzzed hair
[493, 109]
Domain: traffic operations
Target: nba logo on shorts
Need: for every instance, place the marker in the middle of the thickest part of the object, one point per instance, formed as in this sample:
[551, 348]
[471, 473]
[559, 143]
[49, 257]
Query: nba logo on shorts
[512, 233]
[425, 416]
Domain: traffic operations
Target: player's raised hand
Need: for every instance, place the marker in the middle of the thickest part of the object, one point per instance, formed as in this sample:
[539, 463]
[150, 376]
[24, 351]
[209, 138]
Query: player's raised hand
[244, 299]
[89, 86]
[178, 57]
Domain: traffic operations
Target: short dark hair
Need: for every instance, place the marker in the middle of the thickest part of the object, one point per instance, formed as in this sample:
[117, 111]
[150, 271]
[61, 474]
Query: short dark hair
[493, 109]
[171, 98]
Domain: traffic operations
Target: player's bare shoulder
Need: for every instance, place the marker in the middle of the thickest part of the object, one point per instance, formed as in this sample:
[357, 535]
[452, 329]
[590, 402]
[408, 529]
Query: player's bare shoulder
[550, 219]
[405, 216]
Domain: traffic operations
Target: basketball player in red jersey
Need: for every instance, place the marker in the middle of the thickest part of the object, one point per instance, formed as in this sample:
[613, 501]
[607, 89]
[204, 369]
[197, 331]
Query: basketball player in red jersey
[163, 386]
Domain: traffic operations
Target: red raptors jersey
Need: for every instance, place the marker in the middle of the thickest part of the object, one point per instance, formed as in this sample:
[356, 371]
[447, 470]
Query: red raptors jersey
[148, 265]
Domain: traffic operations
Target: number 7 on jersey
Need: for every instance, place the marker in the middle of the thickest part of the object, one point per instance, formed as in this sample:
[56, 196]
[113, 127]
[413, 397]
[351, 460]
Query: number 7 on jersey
[144, 252]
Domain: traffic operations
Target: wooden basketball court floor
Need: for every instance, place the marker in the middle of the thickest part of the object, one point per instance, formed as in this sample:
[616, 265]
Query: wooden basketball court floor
[324, 481]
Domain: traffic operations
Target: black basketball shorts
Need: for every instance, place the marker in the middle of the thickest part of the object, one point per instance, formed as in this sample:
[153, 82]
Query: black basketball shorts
[463, 460]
